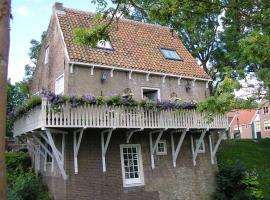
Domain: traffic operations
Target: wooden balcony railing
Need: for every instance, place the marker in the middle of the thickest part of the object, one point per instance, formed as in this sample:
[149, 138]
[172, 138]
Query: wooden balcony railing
[114, 117]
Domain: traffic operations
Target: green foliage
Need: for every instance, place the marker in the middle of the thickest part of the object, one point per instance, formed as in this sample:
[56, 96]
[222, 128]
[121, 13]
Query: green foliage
[29, 105]
[93, 35]
[229, 183]
[223, 100]
[22, 182]
[254, 156]
[114, 100]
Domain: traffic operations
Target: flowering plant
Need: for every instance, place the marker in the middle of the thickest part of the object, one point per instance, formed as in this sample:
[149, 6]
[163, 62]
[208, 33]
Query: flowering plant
[58, 101]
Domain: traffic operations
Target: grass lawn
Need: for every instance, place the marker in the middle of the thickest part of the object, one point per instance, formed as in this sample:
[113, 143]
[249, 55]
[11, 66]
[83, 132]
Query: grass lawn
[254, 154]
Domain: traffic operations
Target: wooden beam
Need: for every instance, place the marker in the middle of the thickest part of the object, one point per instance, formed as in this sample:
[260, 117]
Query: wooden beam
[104, 146]
[195, 153]
[56, 155]
[153, 148]
[130, 133]
[176, 152]
[222, 135]
[76, 147]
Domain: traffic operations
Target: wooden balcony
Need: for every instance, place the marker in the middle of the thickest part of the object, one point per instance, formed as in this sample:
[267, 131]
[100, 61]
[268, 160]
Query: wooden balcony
[92, 116]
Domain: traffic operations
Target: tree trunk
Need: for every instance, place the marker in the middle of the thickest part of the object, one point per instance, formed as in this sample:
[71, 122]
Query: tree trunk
[4, 53]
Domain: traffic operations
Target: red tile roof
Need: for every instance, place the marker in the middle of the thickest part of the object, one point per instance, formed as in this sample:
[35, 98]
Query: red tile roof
[136, 45]
[245, 116]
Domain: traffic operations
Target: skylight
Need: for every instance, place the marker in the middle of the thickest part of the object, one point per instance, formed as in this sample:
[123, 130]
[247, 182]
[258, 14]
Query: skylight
[170, 54]
[104, 44]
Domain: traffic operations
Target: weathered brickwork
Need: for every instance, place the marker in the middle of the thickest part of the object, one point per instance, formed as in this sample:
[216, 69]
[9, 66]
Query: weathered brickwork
[82, 82]
[185, 182]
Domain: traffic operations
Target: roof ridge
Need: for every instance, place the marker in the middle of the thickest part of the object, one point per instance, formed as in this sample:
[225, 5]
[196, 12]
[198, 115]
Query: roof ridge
[121, 19]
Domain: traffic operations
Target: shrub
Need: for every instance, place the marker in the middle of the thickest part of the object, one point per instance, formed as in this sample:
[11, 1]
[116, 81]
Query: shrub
[23, 184]
[234, 182]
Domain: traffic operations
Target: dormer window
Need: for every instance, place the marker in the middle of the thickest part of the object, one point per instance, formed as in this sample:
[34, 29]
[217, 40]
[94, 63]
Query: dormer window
[170, 54]
[104, 44]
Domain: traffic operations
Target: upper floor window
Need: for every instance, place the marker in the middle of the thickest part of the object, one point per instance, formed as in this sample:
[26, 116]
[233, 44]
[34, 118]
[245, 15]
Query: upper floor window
[104, 44]
[161, 148]
[152, 94]
[46, 60]
[170, 54]
[267, 125]
[132, 168]
[265, 110]
[59, 85]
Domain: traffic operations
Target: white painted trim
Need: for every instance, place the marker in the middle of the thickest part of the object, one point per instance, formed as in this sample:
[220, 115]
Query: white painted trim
[175, 153]
[138, 71]
[153, 148]
[140, 165]
[222, 135]
[57, 79]
[165, 148]
[104, 146]
[76, 148]
[195, 152]
[151, 88]
[56, 155]
[62, 37]
[129, 134]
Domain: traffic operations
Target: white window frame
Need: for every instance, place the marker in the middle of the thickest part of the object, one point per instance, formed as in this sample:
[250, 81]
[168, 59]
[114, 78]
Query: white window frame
[104, 44]
[203, 146]
[160, 153]
[47, 52]
[266, 127]
[56, 85]
[258, 126]
[139, 181]
[151, 88]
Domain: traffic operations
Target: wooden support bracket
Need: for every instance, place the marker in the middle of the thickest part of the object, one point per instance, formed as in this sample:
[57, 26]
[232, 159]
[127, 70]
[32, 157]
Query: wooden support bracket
[213, 151]
[104, 146]
[195, 152]
[175, 152]
[130, 133]
[76, 147]
[56, 155]
[154, 147]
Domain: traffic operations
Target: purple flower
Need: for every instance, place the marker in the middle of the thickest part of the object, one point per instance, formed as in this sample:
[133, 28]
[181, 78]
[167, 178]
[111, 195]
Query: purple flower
[89, 99]
[167, 104]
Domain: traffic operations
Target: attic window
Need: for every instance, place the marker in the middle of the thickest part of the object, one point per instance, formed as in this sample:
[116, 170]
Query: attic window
[104, 44]
[170, 54]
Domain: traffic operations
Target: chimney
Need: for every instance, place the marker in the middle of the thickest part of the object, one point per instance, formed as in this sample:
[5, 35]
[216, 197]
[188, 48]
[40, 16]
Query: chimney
[58, 6]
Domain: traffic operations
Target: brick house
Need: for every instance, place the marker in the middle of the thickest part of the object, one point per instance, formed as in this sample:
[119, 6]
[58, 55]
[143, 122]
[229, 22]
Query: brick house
[244, 124]
[264, 113]
[101, 152]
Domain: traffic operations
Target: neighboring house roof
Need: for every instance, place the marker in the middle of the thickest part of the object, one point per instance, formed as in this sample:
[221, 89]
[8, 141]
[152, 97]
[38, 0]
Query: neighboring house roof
[136, 45]
[245, 117]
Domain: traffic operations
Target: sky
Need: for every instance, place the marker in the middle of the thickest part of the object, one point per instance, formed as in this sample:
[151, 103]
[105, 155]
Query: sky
[30, 19]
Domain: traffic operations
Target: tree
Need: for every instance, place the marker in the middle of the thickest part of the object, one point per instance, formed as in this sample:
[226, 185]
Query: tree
[4, 53]
[17, 94]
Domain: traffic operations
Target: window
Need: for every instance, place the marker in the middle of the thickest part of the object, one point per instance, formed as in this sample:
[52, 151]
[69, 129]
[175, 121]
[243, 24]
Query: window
[104, 44]
[267, 125]
[161, 148]
[258, 126]
[46, 60]
[48, 157]
[202, 146]
[59, 85]
[150, 94]
[265, 110]
[170, 54]
[132, 168]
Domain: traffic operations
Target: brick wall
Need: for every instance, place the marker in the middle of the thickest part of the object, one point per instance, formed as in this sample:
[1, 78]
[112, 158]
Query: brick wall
[164, 182]
[82, 82]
